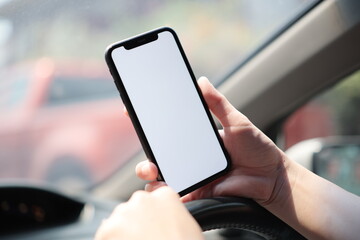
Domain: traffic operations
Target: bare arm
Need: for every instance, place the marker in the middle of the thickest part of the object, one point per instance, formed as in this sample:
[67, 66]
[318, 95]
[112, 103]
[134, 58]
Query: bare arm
[315, 207]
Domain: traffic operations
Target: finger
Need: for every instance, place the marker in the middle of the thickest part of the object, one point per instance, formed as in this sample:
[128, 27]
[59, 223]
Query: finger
[206, 191]
[118, 209]
[197, 194]
[219, 105]
[165, 192]
[125, 111]
[188, 198]
[138, 197]
[152, 186]
[146, 170]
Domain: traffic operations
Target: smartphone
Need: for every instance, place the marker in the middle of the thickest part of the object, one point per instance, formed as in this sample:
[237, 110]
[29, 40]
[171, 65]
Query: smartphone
[167, 109]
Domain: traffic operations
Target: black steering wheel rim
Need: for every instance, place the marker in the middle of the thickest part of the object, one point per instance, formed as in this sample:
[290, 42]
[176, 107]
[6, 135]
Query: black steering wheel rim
[240, 213]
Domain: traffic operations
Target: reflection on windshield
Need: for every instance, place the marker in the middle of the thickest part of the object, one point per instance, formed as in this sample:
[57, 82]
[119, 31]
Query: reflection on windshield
[62, 44]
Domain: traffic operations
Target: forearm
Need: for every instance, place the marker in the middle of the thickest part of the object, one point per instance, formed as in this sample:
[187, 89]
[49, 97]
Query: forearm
[315, 207]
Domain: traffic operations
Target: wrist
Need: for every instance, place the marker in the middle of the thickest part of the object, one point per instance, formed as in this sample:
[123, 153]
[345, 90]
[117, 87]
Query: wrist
[288, 199]
[284, 182]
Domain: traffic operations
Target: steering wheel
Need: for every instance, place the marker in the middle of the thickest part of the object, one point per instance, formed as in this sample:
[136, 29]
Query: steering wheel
[240, 213]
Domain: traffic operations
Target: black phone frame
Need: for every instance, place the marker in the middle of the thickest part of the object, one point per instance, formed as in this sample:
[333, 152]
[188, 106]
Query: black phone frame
[141, 40]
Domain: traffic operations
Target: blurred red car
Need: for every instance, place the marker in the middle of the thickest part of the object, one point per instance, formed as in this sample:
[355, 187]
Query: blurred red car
[61, 122]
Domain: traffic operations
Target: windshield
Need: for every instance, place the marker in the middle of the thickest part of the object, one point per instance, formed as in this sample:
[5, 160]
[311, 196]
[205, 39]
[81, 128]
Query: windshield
[61, 118]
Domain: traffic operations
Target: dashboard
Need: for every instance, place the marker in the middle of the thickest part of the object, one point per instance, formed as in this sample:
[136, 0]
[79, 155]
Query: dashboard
[34, 212]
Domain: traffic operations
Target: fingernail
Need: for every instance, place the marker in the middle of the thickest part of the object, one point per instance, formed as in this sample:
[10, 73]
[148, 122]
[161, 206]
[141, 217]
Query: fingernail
[145, 169]
[148, 187]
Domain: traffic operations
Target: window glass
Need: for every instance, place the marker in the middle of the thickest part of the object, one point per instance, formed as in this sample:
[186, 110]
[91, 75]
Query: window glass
[53, 138]
[334, 117]
[341, 165]
[334, 112]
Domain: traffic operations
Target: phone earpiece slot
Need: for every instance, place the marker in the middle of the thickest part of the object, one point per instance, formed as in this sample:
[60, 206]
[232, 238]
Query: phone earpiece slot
[139, 41]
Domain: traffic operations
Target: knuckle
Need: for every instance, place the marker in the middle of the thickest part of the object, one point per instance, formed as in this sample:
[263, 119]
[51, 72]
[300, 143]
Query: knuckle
[166, 191]
[119, 208]
[139, 196]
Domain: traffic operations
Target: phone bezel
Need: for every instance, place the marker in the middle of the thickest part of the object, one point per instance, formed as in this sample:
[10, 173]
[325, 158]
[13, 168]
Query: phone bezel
[134, 42]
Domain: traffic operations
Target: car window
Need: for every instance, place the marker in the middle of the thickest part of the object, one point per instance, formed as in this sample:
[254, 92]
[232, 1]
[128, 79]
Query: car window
[341, 165]
[333, 116]
[334, 112]
[62, 43]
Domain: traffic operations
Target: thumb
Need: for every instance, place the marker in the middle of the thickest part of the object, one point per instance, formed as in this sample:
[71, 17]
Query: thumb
[227, 114]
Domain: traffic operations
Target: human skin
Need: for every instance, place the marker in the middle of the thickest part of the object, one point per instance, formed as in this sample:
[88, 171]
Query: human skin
[310, 204]
[315, 207]
[257, 164]
[157, 215]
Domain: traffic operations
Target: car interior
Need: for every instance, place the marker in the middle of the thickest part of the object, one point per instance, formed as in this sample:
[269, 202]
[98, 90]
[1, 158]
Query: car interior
[298, 80]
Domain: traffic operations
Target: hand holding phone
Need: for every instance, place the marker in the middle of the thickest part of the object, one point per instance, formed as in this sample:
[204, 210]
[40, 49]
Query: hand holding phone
[167, 109]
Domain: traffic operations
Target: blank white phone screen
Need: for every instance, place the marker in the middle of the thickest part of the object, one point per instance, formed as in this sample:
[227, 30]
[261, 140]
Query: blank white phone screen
[170, 111]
